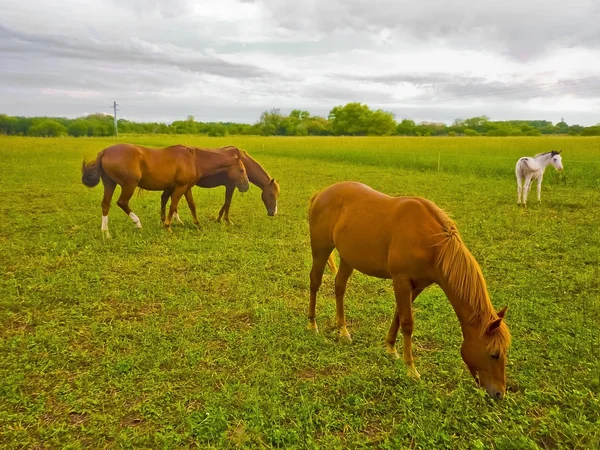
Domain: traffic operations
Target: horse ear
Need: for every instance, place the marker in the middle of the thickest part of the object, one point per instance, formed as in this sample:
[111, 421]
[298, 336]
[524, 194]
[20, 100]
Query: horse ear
[493, 325]
[238, 154]
[502, 312]
[559, 152]
[272, 181]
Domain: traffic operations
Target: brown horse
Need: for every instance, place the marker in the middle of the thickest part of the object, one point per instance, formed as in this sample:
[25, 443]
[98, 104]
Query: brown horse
[257, 176]
[413, 242]
[174, 169]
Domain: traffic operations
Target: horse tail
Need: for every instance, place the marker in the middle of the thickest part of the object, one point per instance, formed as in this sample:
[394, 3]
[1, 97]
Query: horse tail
[91, 171]
[311, 201]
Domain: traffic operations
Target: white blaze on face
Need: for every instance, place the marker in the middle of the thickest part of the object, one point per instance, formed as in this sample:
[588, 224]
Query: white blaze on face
[275, 207]
[136, 220]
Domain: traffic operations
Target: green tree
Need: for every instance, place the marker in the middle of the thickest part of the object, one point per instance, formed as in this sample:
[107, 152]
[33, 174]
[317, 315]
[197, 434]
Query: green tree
[382, 124]
[48, 128]
[270, 123]
[78, 128]
[353, 119]
[406, 127]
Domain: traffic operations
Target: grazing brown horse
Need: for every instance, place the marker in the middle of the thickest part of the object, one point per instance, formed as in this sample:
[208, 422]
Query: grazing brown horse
[413, 242]
[257, 176]
[174, 169]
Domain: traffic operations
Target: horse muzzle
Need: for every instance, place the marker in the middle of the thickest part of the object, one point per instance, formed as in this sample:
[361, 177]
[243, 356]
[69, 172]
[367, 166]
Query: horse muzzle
[243, 187]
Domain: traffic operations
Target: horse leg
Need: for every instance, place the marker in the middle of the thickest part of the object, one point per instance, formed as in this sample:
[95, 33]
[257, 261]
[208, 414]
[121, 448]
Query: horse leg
[519, 186]
[341, 280]
[390, 339]
[190, 201]
[109, 190]
[403, 318]
[526, 188]
[539, 188]
[316, 277]
[229, 190]
[163, 204]
[178, 192]
[127, 191]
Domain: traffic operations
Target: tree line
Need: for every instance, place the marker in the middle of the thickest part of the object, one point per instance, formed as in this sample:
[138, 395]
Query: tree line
[352, 119]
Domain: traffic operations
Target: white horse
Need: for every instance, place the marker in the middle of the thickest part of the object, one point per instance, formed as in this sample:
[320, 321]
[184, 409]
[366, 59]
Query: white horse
[529, 169]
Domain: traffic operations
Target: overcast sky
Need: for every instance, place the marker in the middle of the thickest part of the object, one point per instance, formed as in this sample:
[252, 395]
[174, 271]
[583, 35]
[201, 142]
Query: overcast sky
[229, 60]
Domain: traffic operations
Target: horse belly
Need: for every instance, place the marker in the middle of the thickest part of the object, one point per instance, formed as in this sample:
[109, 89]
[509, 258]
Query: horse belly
[367, 253]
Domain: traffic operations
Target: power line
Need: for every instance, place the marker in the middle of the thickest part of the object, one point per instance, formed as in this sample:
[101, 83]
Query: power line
[114, 106]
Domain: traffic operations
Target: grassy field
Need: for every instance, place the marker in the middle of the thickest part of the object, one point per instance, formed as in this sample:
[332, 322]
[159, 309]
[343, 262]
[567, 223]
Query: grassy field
[198, 338]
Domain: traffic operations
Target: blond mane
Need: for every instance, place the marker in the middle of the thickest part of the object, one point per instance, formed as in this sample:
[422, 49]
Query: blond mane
[463, 273]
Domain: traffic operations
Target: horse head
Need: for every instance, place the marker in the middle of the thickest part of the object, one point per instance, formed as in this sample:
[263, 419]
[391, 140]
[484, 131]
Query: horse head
[270, 194]
[556, 160]
[484, 353]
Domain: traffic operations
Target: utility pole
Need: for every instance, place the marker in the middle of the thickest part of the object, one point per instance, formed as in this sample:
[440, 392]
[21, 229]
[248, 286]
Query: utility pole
[116, 128]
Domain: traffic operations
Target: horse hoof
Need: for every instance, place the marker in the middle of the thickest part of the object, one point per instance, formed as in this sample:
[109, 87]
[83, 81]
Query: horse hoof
[313, 327]
[345, 337]
[392, 352]
[412, 373]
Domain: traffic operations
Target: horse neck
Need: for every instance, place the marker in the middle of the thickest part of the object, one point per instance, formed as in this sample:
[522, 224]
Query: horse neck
[256, 174]
[463, 283]
[544, 160]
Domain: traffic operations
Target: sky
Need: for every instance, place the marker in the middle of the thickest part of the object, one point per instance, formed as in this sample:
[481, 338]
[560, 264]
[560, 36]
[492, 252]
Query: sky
[230, 60]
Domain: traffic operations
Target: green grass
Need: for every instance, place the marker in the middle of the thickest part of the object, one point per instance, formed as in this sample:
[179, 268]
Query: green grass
[198, 338]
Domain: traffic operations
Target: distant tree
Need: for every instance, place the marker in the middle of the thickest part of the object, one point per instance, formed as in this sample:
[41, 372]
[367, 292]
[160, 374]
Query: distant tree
[591, 131]
[270, 123]
[353, 119]
[218, 129]
[78, 128]
[319, 126]
[406, 127]
[470, 132]
[479, 123]
[8, 124]
[561, 128]
[48, 128]
[382, 124]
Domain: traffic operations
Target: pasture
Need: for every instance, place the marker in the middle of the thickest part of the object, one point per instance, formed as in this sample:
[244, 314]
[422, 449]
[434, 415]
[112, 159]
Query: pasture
[199, 337]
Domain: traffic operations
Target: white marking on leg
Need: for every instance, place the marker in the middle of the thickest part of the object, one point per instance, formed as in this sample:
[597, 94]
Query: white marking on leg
[177, 218]
[136, 220]
[104, 228]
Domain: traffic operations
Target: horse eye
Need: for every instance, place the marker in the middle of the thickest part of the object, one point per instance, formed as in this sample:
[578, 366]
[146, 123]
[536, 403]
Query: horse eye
[495, 356]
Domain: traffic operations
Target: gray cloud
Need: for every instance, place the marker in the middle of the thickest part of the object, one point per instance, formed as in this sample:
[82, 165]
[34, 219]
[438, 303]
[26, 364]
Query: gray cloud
[166, 8]
[440, 86]
[522, 29]
[128, 50]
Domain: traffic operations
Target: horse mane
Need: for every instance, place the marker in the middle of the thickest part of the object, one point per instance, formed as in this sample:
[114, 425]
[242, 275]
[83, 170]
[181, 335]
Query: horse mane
[463, 272]
[552, 152]
[256, 165]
